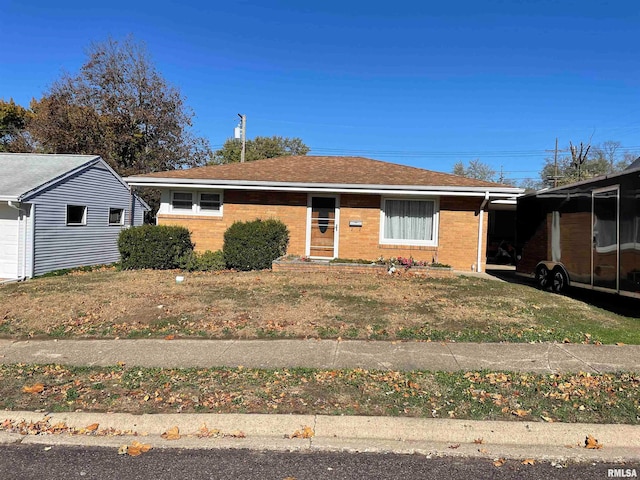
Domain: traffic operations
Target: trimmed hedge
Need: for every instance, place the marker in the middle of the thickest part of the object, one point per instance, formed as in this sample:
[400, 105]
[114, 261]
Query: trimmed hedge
[254, 245]
[160, 247]
[204, 262]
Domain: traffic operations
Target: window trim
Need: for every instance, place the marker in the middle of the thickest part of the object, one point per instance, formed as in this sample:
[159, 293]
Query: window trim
[83, 222]
[122, 215]
[181, 210]
[199, 208]
[409, 242]
[195, 203]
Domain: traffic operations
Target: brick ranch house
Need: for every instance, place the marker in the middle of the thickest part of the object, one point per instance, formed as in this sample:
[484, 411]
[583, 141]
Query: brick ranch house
[346, 207]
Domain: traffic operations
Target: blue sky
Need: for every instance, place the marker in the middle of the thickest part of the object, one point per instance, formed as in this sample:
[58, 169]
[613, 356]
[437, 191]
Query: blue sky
[421, 83]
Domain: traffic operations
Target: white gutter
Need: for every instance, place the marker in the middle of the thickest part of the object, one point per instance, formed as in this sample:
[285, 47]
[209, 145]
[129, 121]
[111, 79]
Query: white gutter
[480, 222]
[23, 211]
[437, 190]
[289, 186]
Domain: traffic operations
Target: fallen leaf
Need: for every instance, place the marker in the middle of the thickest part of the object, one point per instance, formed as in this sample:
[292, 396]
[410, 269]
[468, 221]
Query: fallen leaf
[92, 427]
[457, 445]
[592, 443]
[483, 450]
[619, 343]
[528, 461]
[170, 337]
[478, 441]
[499, 462]
[520, 413]
[123, 449]
[547, 419]
[172, 434]
[36, 388]
[306, 432]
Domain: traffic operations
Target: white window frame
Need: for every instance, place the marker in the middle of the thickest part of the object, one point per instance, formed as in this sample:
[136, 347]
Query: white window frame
[195, 203]
[182, 210]
[122, 215]
[84, 215]
[409, 242]
[200, 210]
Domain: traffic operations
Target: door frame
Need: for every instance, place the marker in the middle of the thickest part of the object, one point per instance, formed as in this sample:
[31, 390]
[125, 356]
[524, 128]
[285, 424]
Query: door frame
[336, 231]
[610, 188]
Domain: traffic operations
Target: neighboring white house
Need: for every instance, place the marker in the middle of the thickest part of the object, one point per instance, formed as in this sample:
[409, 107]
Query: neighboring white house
[61, 211]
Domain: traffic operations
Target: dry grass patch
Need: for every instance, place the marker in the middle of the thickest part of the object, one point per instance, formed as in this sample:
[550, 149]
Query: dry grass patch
[109, 303]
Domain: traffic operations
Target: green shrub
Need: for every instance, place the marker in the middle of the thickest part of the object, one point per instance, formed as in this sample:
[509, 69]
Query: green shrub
[254, 245]
[203, 262]
[159, 247]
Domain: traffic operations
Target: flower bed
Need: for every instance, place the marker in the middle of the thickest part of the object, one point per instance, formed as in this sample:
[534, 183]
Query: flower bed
[305, 265]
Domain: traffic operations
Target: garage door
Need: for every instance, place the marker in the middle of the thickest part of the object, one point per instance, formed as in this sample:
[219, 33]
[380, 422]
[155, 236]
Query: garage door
[8, 242]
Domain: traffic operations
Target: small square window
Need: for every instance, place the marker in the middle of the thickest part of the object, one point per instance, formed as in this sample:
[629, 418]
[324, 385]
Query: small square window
[116, 216]
[76, 215]
[210, 202]
[182, 201]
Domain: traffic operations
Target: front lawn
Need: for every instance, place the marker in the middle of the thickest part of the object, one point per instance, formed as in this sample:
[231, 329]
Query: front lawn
[134, 304]
[480, 395]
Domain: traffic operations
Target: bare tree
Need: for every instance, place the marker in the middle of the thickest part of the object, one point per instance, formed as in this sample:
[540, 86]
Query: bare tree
[120, 107]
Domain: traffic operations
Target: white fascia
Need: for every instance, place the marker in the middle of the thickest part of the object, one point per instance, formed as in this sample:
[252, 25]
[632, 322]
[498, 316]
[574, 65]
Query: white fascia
[494, 192]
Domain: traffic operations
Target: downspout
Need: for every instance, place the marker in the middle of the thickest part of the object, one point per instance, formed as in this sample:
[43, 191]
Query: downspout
[480, 224]
[23, 213]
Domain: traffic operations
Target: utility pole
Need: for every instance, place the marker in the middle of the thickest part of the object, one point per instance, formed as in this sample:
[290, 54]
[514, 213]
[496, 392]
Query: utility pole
[243, 127]
[555, 165]
[555, 151]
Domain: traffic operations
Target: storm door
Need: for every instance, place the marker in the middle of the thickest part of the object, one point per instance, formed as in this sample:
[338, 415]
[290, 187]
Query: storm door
[322, 227]
[605, 245]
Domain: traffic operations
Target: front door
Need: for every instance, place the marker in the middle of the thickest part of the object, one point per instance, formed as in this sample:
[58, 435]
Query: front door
[605, 248]
[322, 227]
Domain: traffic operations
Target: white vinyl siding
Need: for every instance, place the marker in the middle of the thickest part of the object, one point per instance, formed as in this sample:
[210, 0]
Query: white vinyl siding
[409, 222]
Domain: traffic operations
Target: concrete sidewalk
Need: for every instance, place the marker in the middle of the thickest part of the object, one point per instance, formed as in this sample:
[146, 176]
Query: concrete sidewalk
[429, 436]
[328, 354]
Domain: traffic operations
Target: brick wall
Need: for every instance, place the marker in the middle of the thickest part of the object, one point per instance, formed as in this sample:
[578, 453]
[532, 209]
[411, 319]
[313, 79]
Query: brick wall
[458, 226]
[207, 232]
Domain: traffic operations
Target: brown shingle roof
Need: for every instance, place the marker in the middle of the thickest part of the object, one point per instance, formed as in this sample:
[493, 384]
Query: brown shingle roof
[323, 170]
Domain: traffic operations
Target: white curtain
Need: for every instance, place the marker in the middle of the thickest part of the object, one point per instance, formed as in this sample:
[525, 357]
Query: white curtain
[408, 220]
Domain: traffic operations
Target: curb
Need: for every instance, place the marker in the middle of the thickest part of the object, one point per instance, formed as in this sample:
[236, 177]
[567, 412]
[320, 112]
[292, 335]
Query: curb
[558, 442]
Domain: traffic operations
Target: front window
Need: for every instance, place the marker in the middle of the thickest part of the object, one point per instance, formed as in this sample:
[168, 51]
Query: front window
[76, 215]
[409, 222]
[210, 202]
[116, 216]
[182, 201]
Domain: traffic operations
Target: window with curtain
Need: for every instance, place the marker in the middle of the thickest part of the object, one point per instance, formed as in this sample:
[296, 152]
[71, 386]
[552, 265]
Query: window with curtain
[409, 222]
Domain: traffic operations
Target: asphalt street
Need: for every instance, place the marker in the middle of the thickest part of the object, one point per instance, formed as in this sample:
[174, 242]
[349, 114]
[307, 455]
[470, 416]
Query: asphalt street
[36, 462]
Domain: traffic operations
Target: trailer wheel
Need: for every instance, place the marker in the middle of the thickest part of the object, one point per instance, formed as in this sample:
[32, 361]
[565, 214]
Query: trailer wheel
[543, 277]
[559, 280]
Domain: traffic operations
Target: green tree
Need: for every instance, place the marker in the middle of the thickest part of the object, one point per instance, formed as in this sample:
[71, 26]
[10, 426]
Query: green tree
[476, 169]
[13, 122]
[118, 106]
[259, 148]
[582, 163]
